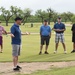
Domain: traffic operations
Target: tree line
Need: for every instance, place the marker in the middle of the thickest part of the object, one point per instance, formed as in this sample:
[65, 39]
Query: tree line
[39, 16]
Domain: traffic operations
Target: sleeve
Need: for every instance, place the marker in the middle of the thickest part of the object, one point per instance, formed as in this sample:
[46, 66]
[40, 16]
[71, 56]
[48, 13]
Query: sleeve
[54, 27]
[64, 26]
[41, 29]
[12, 30]
[73, 28]
[3, 29]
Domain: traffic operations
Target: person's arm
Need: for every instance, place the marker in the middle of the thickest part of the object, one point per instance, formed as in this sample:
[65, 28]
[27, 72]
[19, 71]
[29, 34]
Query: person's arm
[50, 32]
[63, 28]
[54, 28]
[12, 32]
[26, 33]
[40, 31]
[4, 30]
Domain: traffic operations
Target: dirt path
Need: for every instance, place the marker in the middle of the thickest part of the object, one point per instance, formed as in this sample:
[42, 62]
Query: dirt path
[27, 68]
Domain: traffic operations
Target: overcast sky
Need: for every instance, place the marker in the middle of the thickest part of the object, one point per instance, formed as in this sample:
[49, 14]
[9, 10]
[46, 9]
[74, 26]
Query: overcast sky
[57, 5]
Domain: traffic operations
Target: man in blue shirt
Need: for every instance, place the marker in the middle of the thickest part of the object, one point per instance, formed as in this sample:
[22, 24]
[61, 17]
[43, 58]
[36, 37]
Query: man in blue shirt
[16, 42]
[45, 34]
[59, 29]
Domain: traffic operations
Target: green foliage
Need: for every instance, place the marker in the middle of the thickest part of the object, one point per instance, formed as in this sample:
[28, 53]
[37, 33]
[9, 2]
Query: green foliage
[73, 19]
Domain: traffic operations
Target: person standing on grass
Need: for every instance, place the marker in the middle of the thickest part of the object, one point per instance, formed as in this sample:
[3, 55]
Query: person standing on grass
[16, 42]
[2, 30]
[59, 29]
[45, 34]
[73, 38]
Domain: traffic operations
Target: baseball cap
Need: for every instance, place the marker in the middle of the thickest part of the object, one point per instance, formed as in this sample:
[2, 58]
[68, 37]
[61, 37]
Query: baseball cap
[18, 18]
[59, 17]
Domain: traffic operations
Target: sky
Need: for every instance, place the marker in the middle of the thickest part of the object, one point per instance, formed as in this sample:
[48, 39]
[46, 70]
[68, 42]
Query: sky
[57, 5]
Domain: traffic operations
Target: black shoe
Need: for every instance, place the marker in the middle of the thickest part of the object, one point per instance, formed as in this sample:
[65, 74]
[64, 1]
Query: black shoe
[46, 53]
[40, 53]
[73, 51]
[16, 69]
[19, 67]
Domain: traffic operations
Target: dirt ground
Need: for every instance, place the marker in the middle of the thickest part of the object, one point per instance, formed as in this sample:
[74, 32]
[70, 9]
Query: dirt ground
[28, 68]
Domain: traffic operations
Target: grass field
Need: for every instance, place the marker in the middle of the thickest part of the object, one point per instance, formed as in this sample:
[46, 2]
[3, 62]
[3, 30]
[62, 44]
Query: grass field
[31, 44]
[64, 71]
[30, 50]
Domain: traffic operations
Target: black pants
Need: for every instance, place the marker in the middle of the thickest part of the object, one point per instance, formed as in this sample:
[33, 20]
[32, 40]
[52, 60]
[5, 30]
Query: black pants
[73, 38]
[45, 39]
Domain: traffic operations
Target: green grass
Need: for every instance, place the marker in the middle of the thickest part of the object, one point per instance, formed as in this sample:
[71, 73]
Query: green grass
[31, 45]
[64, 71]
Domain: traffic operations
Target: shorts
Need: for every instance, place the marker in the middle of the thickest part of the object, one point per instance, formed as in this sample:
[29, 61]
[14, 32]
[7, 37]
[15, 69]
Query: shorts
[45, 39]
[59, 37]
[16, 50]
[1, 40]
[73, 38]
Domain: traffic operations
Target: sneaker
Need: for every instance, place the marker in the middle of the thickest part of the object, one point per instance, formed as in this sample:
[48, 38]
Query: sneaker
[40, 53]
[19, 67]
[65, 52]
[55, 52]
[73, 51]
[46, 52]
[16, 69]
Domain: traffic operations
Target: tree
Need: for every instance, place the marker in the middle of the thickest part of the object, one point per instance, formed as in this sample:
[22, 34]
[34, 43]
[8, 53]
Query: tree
[50, 14]
[25, 14]
[55, 15]
[41, 14]
[16, 11]
[73, 19]
[69, 15]
[64, 16]
[7, 14]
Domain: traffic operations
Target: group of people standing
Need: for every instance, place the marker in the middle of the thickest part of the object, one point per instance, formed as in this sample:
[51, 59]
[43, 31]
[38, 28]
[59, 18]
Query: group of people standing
[59, 29]
[45, 35]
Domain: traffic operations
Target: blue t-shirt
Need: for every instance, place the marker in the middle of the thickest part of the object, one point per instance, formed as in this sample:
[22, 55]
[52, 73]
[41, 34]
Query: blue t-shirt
[45, 30]
[15, 30]
[59, 26]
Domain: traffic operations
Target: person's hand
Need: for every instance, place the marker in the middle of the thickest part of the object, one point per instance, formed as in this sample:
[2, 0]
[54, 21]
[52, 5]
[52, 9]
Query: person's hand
[12, 35]
[58, 30]
[27, 33]
[49, 36]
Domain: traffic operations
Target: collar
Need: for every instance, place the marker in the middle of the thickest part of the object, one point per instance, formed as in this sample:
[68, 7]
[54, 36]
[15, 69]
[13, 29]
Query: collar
[16, 25]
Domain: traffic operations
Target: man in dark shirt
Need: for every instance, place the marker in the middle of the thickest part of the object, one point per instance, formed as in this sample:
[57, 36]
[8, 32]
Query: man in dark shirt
[16, 42]
[59, 29]
[73, 37]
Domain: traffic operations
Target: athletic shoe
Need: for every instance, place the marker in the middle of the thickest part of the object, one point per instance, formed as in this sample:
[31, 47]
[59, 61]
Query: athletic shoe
[19, 67]
[73, 51]
[40, 53]
[46, 52]
[55, 52]
[16, 69]
[65, 52]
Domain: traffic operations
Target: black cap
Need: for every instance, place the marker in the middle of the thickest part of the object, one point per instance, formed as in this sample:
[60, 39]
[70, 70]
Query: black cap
[18, 18]
[59, 17]
[45, 21]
